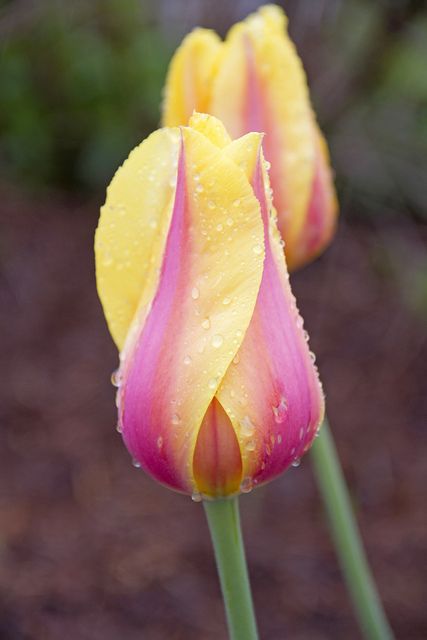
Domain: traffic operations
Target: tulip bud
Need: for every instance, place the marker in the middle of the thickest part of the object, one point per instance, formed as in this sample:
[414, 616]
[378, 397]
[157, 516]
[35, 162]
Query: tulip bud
[218, 390]
[254, 81]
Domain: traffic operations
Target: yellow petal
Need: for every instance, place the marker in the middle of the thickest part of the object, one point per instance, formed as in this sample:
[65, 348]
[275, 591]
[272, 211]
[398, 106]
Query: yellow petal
[211, 128]
[132, 230]
[188, 82]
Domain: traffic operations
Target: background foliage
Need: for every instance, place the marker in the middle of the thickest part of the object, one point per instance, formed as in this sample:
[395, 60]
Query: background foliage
[81, 84]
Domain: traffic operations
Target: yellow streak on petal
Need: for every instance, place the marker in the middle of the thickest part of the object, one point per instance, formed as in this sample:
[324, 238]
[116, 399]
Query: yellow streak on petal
[132, 230]
[188, 81]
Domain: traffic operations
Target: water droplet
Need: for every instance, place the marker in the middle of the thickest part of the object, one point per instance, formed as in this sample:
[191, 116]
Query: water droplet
[119, 427]
[196, 496]
[280, 410]
[279, 438]
[301, 433]
[250, 445]
[247, 426]
[206, 323]
[246, 485]
[230, 222]
[226, 301]
[199, 188]
[296, 462]
[267, 163]
[312, 356]
[212, 384]
[217, 341]
[176, 419]
[115, 378]
[306, 336]
[196, 177]
[236, 203]
[136, 464]
[211, 205]
[257, 249]
[187, 360]
[195, 293]
[159, 442]
[201, 346]
[219, 227]
[236, 359]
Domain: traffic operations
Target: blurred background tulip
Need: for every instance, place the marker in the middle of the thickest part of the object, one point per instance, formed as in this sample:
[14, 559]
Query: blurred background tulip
[254, 81]
[87, 549]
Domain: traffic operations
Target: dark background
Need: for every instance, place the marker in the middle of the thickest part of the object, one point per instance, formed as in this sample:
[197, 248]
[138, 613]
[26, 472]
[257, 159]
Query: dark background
[90, 548]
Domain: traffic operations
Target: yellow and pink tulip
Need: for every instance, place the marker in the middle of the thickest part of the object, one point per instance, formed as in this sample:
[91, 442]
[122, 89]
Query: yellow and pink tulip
[254, 81]
[218, 390]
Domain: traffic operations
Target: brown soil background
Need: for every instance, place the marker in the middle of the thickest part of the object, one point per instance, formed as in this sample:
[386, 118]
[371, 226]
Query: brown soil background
[92, 549]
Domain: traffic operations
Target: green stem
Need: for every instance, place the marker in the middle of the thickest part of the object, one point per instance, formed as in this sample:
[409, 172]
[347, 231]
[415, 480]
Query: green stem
[224, 524]
[349, 547]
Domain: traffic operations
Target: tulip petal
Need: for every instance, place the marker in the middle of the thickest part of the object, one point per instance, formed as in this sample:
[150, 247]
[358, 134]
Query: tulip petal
[205, 298]
[260, 85]
[132, 230]
[271, 391]
[211, 128]
[188, 81]
[321, 216]
[217, 462]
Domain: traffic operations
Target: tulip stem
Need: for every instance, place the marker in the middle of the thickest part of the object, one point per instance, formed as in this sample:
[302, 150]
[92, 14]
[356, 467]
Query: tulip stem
[224, 525]
[346, 536]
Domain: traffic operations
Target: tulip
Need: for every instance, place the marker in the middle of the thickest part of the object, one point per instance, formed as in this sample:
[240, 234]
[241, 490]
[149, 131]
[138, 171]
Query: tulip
[218, 390]
[254, 81]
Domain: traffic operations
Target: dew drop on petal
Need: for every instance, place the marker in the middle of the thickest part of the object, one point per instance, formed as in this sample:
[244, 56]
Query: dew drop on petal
[296, 462]
[196, 496]
[280, 410]
[136, 464]
[257, 249]
[206, 323]
[187, 360]
[195, 293]
[226, 301]
[115, 378]
[217, 341]
[246, 485]
[212, 384]
[176, 419]
[247, 426]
